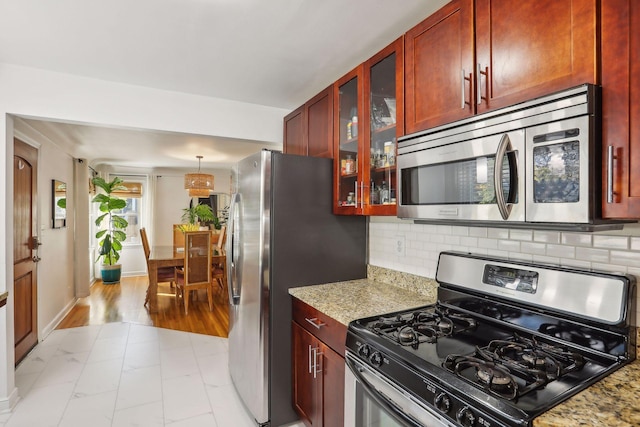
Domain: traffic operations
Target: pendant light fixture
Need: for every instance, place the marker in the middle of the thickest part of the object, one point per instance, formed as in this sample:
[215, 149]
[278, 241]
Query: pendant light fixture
[199, 184]
[197, 192]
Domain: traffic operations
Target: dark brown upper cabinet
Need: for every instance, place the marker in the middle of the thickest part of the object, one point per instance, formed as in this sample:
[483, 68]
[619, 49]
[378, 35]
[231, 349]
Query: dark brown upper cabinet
[308, 130]
[620, 109]
[521, 50]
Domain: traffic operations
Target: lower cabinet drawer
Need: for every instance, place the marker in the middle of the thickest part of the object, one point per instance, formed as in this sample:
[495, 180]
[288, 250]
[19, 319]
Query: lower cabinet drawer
[328, 330]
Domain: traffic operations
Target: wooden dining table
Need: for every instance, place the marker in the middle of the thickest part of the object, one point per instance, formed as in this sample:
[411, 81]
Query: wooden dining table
[166, 256]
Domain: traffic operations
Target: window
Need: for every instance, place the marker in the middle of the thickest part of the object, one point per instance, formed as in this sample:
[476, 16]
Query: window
[133, 211]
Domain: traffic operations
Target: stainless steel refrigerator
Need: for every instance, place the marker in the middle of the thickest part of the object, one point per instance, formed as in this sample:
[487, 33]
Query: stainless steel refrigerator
[282, 234]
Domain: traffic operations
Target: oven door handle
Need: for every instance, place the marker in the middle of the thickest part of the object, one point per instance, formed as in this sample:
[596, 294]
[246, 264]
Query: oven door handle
[392, 410]
[503, 147]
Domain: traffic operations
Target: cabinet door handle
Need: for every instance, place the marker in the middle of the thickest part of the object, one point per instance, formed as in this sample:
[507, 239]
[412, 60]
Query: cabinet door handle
[310, 352]
[610, 157]
[316, 353]
[462, 78]
[463, 99]
[355, 185]
[478, 85]
[315, 322]
[479, 74]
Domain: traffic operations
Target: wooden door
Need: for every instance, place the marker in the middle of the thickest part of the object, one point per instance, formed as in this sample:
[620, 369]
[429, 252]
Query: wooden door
[307, 390]
[319, 124]
[25, 166]
[294, 141]
[620, 111]
[439, 68]
[531, 48]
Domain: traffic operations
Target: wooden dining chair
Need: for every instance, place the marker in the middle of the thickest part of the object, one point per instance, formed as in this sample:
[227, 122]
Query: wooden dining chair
[178, 237]
[165, 274]
[196, 273]
[219, 260]
[218, 247]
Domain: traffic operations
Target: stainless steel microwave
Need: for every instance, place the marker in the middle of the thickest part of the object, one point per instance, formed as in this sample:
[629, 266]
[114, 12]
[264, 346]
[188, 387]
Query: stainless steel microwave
[534, 164]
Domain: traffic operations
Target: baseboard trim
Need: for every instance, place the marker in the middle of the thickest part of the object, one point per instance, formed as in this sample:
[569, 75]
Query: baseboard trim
[7, 405]
[56, 320]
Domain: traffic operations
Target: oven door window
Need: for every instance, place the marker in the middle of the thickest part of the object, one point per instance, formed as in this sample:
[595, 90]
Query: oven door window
[370, 414]
[466, 182]
[556, 175]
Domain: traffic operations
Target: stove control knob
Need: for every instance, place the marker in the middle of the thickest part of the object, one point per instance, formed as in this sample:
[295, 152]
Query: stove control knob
[376, 358]
[364, 351]
[443, 403]
[466, 417]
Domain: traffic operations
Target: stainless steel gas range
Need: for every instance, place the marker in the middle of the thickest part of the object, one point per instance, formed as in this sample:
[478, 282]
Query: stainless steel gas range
[505, 342]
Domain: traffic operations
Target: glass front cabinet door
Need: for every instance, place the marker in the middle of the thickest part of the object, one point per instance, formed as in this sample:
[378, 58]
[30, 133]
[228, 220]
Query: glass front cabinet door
[348, 106]
[368, 119]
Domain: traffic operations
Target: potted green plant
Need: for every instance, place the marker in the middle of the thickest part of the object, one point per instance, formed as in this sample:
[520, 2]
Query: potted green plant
[112, 234]
[198, 214]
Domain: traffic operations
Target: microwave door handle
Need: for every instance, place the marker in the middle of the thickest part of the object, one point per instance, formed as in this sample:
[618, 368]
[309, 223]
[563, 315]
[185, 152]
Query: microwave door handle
[503, 206]
[395, 412]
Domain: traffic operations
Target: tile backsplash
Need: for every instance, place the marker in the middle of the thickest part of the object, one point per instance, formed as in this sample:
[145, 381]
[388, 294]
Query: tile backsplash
[413, 248]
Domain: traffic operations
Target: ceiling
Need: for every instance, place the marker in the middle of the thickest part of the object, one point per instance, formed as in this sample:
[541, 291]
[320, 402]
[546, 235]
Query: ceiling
[276, 53]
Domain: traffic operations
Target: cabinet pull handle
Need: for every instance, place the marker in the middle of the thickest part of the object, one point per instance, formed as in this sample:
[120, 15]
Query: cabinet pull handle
[610, 157]
[316, 353]
[462, 100]
[315, 322]
[362, 195]
[355, 185]
[310, 350]
[479, 74]
[478, 85]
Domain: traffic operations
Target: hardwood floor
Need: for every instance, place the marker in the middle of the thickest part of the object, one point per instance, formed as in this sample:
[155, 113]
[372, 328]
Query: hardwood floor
[124, 302]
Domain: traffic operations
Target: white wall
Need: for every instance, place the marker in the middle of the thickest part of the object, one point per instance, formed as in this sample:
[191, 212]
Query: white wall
[37, 93]
[614, 251]
[56, 287]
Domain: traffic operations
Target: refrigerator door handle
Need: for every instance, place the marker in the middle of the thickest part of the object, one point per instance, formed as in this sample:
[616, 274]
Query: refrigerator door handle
[233, 251]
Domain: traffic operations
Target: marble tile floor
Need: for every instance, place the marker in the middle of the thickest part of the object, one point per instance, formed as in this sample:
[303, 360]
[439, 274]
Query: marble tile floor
[122, 374]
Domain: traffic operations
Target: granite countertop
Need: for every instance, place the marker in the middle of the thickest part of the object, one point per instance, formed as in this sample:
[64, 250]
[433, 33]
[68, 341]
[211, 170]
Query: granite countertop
[611, 402]
[355, 299]
[384, 291]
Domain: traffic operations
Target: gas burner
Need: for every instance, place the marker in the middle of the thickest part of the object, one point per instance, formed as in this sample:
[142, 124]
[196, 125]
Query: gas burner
[424, 326]
[521, 355]
[406, 335]
[495, 378]
[513, 368]
[567, 361]
[415, 334]
[535, 359]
